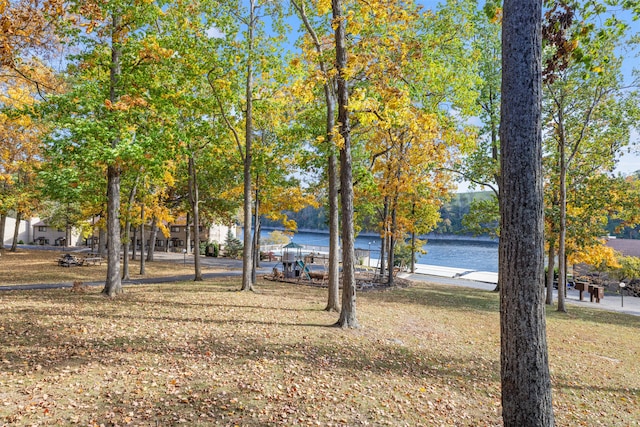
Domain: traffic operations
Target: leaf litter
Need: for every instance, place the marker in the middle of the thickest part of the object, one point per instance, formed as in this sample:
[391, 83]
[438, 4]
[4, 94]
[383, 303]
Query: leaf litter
[204, 355]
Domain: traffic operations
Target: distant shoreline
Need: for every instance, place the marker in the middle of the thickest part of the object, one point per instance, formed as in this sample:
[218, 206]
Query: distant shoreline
[429, 236]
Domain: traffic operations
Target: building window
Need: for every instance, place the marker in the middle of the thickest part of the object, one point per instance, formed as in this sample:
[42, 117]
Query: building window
[159, 243]
[42, 228]
[200, 228]
[180, 243]
[175, 229]
[60, 229]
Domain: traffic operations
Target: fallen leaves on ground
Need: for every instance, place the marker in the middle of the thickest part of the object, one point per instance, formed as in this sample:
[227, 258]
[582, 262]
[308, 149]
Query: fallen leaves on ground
[204, 355]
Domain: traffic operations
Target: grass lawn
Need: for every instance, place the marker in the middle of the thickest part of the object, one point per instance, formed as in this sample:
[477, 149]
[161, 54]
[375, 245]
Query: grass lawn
[202, 354]
[41, 266]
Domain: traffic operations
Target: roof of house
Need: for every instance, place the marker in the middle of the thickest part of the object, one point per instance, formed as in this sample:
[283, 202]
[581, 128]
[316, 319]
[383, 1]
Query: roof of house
[627, 247]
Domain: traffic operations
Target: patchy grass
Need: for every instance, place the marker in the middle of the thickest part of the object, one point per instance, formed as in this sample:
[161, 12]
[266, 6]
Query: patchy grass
[203, 354]
[36, 267]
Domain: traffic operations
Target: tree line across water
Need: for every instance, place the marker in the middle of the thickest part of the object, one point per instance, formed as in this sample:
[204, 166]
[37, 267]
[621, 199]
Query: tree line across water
[456, 217]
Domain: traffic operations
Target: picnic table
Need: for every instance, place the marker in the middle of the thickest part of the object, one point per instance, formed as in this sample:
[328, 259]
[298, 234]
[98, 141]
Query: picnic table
[93, 260]
[68, 260]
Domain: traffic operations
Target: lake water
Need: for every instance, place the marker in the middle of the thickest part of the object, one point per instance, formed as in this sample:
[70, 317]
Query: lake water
[468, 254]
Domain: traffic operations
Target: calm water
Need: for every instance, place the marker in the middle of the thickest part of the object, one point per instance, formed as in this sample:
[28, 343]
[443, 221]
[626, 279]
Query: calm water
[481, 256]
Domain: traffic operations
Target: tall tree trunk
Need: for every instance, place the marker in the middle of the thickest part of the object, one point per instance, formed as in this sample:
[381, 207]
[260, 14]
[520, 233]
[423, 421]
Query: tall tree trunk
[194, 198]
[16, 232]
[413, 252]
[126, 241]
[392, 246]
[334, 230]
[413, 242]
[113, 283]
[3, 223]
[550, 267]
[383, 241]
[526, 384]
[562, 258]
[142, 242]
[348, 313]
[67, 229]
[332, 171]
[187, 234]
[394, 224]
[102, 242]
[247, 250]
[93, 232]
[134, 244]
[152, 238]
[256, 238]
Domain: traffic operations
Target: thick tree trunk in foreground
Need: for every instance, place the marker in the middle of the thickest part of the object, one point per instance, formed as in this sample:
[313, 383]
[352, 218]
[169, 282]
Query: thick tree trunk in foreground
[526, 384]
[348, 312]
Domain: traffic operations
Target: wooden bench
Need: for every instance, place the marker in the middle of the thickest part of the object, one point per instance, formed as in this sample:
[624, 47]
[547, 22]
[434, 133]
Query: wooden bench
[581, 286]
[596, 292]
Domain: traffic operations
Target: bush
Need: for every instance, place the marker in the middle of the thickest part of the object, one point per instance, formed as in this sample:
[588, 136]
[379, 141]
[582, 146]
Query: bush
[212, 249]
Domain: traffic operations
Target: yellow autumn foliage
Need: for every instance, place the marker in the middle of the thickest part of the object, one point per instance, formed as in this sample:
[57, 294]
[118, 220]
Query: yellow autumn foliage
[598, 255]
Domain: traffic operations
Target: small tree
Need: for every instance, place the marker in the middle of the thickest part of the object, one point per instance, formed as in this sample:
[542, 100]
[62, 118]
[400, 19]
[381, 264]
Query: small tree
[404, 250]
[232, 246]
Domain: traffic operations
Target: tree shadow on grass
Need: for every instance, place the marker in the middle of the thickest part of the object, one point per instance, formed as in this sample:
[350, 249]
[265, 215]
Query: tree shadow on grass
[591, 315]
[442, 296]
[30, 343]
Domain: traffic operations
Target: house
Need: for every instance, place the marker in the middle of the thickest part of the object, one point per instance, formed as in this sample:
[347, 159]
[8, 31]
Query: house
[39, 232]
[44, 233]
[627, 247]
[24, 231]
[177, 241]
